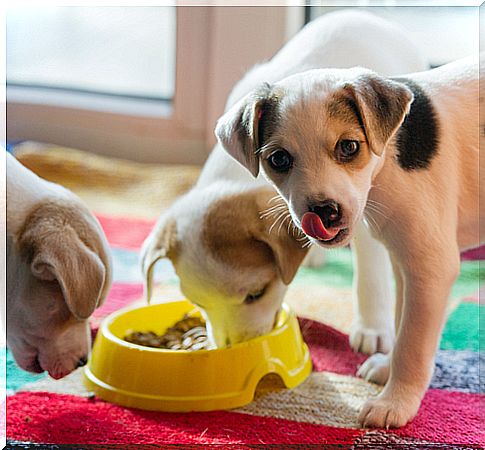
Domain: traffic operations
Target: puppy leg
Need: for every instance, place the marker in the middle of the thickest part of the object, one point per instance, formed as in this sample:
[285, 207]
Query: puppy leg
[372, 328]
[428, 275]
[376, 367]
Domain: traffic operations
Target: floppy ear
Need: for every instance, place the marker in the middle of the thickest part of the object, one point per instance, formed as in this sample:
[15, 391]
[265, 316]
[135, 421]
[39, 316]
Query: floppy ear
[161, 243]
[78, 270]
[381, 105]
[288, 251]
[240, 130]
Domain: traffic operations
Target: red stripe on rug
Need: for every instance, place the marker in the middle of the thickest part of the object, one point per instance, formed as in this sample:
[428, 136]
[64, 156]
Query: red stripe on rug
[476, 253]
[330, 349]
[450, 417]
[124, 232]
[65, 419]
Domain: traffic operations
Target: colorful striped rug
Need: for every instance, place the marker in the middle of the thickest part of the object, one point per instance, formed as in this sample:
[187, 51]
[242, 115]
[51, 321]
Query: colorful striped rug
[126, 198]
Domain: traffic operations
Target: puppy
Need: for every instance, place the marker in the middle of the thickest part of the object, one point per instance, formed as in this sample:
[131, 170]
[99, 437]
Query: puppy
[231, 240]
[58, 272]
[340, 145]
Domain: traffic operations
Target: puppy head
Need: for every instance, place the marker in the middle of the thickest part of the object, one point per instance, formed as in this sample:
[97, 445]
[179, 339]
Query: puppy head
[320, 142]
[60, 272]
[231, 260]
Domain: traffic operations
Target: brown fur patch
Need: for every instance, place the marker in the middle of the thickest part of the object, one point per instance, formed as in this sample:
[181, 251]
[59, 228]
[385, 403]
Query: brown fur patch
[230, 228]
[346, 122]
[54, 217]
[342, 107]
[235, 233]
[382, 104]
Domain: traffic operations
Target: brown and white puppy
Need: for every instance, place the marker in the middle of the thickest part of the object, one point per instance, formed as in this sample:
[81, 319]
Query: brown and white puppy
[229, 260]
[404, 152]
[58, 272]
[233, 247]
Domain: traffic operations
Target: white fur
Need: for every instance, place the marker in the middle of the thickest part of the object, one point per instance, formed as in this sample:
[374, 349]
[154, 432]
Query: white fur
[341, 39]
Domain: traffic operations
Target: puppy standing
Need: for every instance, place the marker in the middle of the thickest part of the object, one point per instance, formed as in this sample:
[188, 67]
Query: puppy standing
[342, 144]
[229, 257]
[58, 272]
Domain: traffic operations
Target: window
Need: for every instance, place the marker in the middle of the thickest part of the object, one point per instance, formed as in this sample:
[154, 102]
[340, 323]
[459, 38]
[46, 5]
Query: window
[142, 83]
[120, 51]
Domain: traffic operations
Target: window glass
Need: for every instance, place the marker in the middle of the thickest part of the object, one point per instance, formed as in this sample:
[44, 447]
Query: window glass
[126, 51]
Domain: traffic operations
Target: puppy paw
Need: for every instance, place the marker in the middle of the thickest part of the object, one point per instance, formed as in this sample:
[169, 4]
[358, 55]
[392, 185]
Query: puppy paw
[371, 340]
[375, 368]
[388, 411]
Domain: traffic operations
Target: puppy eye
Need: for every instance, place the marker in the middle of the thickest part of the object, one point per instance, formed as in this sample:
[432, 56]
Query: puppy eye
[280, 161]
[347, 149]
[254, 296]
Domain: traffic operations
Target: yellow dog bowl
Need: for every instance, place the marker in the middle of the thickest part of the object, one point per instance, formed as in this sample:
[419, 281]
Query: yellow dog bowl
[180, 380]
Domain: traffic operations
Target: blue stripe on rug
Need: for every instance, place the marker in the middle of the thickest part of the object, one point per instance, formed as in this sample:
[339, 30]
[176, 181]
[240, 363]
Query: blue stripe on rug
[126, 268]
[16, 377]
[458, 371]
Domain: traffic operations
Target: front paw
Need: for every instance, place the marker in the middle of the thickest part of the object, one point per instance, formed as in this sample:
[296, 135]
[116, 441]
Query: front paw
[370, 340]
[375, 368]
[388, 410]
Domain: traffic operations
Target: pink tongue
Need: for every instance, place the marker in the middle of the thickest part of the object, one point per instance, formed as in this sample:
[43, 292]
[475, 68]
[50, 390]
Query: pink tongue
[312, 225]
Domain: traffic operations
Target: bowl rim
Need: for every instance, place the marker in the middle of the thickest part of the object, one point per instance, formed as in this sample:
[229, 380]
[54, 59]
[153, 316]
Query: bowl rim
[277, 330]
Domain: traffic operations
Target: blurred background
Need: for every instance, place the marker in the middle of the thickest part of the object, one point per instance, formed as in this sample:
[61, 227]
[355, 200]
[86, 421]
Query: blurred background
[148, 83]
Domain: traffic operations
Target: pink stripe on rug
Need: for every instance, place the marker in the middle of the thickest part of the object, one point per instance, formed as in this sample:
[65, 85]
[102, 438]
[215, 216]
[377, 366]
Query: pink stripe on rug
[476, 253]
[120, 295]
[330, 349]
[124, 232]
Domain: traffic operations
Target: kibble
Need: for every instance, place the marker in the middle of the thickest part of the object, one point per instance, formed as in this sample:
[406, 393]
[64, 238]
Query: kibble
[189, 333]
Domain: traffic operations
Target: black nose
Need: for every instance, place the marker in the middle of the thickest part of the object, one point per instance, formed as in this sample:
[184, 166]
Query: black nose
[82, 361]
[329, 211]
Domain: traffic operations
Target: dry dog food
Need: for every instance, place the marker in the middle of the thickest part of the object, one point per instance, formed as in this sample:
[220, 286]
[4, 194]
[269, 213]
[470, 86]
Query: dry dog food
[187, 334]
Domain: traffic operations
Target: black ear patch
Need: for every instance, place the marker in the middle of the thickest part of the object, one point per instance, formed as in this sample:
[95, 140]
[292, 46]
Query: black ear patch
[417, 139]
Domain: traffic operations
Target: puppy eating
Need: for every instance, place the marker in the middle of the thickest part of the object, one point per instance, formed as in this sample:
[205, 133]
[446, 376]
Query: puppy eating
[230, 259]
[341, 145]
[58, 272]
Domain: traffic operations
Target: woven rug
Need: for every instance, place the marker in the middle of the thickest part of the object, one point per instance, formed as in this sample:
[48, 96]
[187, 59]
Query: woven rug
[127, 197]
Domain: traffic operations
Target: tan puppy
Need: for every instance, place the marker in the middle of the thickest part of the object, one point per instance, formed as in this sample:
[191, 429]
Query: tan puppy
[341, 144]
[58, 272]
[233, 247]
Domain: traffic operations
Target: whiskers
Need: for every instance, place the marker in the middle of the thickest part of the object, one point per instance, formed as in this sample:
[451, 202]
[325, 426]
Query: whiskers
[281, 216]
[374, 213]
[306, 242]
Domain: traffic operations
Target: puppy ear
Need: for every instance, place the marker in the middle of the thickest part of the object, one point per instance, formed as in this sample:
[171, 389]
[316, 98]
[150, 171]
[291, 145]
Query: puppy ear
[240, 130]
[288, 251]
[78, 270]
[381, 105]
[161, 243]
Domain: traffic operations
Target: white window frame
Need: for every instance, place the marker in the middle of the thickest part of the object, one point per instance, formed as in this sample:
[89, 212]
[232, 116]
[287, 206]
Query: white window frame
[211, 55]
